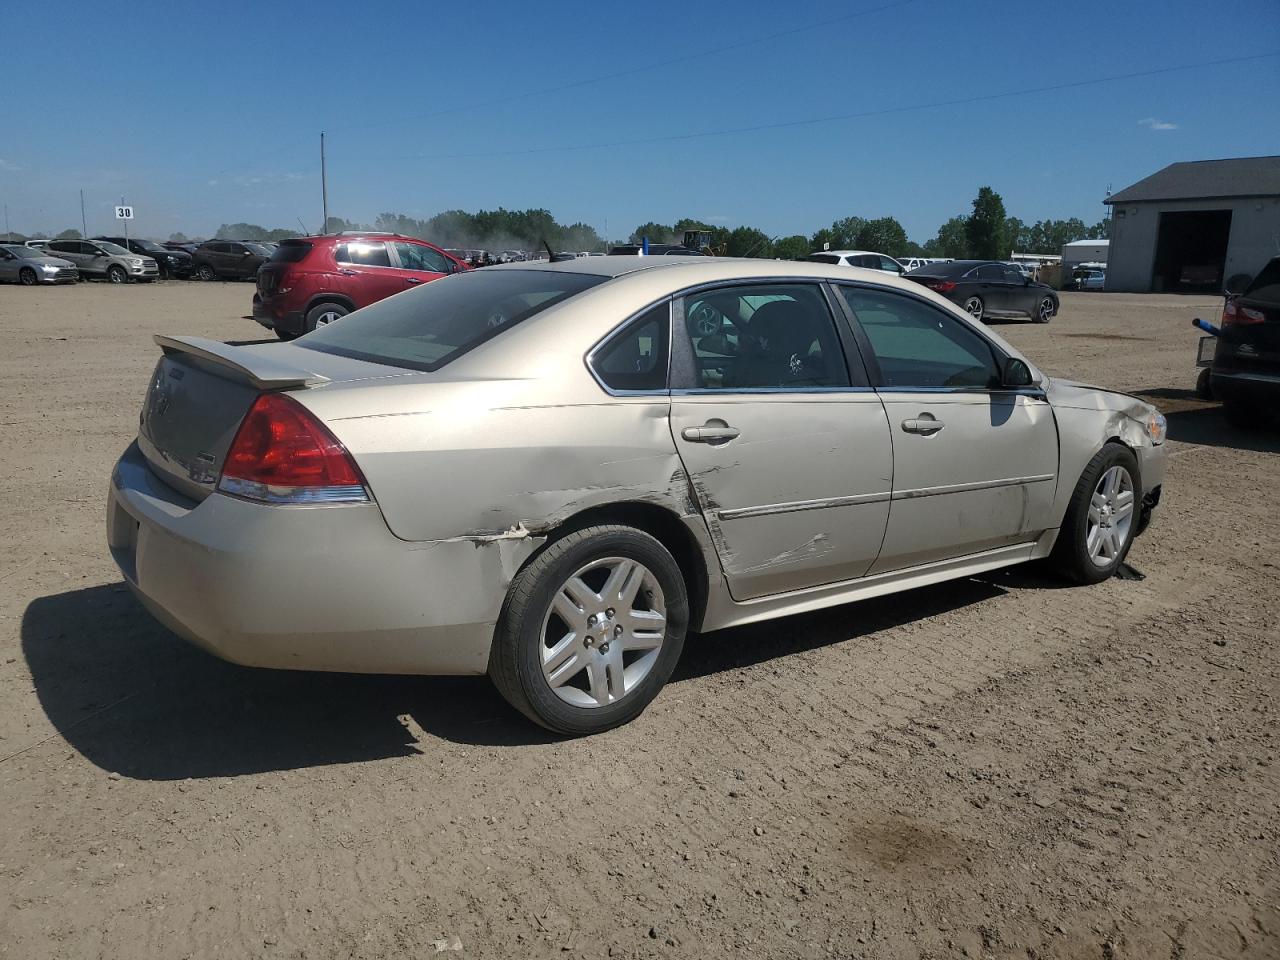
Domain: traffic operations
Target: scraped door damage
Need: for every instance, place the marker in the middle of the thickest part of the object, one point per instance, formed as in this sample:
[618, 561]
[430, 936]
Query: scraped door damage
[800, 495]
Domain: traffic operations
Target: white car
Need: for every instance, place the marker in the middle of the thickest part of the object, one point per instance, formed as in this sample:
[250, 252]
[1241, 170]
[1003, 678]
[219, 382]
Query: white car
[911, 263]
[858, 258]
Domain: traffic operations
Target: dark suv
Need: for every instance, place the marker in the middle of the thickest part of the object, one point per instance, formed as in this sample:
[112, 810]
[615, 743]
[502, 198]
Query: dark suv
[172, 263]
[1246, 362]
[229, 259]
[312, 281]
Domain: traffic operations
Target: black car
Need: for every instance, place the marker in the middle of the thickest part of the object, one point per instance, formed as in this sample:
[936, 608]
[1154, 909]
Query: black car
[172, 263]
[988, 290]
[1246, 362]
[186, 246]
[229, 259]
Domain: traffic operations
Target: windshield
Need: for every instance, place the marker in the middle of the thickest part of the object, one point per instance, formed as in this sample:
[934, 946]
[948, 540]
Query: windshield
[19, 250]
[426, 328]
[150, 246]
[114, 249]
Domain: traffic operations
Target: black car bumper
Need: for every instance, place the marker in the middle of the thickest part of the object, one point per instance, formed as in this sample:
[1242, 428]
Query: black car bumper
[1237, 386]
[288, 321]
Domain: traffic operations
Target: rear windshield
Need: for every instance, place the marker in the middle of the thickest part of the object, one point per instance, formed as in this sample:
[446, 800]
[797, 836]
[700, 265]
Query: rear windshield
[1266, 285]
[424, 329]
[291, 251]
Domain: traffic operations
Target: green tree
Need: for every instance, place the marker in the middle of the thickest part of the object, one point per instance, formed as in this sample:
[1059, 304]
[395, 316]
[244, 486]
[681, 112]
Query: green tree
[984, 230]
[748, 242]
[70, 234]
[913, 249]
[792, 248]
[951, 241]
[656, 232]
[884, 235]
[1017, 234]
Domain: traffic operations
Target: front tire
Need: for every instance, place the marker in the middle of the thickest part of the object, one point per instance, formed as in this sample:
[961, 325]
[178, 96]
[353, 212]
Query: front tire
[974, 307]
[206, 272]
[591, 630]
[1044, 311]
[27, 277]
[116, 274]
[1102, 518]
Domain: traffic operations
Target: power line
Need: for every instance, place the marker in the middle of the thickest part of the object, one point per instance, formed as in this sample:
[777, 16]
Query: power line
[630, 71]
[836, 118]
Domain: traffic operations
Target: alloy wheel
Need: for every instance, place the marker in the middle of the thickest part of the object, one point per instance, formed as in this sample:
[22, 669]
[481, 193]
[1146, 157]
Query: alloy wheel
[973, 307]
[1110, 516]
[1046, 310]
[116, 275]
[603, 632]
[28, 277]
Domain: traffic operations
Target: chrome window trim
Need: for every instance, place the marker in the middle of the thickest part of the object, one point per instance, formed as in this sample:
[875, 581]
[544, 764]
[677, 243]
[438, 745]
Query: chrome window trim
[737, 391]
[619, 330]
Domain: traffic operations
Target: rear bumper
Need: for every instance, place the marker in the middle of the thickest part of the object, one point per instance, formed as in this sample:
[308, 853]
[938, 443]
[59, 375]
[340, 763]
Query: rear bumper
[1245, 386]
[275, 317]
[302, 588]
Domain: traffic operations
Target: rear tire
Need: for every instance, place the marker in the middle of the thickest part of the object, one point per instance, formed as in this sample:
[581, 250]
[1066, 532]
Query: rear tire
[974, 307]
[206, 272]
[27, 277]
[1044, 311]
[116, 274]
[578, 685]
[1102, 518]
[324, 313]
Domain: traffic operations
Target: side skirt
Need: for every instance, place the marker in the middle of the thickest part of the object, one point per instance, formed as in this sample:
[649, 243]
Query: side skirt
[723, 612]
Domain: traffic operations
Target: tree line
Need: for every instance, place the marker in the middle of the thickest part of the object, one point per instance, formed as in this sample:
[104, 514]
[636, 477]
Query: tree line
[987, 232]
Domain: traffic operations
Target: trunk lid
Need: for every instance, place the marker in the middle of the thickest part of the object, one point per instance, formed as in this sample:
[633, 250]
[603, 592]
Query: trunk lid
[201, 389]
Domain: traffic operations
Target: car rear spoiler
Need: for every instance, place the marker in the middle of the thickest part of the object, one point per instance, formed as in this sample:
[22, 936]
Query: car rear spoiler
[262, 372]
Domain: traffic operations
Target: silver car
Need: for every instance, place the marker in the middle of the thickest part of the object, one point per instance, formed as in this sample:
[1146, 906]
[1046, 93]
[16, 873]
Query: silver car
[29, 266]
[101, 258]
[551, 473]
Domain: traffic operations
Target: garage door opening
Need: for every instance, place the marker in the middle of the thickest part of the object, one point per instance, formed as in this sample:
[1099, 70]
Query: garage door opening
[1191, 251]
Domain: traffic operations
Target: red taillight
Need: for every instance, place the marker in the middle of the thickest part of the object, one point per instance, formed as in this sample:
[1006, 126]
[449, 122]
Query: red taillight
[942, 286]
[1234, 315]
[283, 454]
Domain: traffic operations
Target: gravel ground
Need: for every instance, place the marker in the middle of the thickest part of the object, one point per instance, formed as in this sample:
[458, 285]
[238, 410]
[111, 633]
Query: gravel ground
[1000, 767]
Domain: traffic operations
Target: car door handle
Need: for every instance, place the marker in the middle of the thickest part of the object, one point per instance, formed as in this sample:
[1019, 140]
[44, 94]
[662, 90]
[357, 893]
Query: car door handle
[710, 433]
[923, 425]
[412, 280]
[347, 273]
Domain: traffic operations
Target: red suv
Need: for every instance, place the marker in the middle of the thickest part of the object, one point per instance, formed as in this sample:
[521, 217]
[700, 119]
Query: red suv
[312, 281]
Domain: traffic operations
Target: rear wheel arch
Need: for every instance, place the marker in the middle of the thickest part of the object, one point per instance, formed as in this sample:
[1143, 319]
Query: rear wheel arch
[663, 525]
[319, 298]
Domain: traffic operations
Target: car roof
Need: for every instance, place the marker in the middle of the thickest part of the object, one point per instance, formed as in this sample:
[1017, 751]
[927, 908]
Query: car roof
[851, 253]
[696, 270]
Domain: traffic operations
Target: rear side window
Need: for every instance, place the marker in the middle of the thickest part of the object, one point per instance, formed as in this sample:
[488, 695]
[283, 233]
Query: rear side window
[988, 272]
[822, 258]
[363, 253]
[920, 346]
[1266, 285]
[636, 359]
[426, 328]
[291, 251]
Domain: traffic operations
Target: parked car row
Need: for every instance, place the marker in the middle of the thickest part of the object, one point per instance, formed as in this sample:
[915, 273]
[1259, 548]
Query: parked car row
[126, 259]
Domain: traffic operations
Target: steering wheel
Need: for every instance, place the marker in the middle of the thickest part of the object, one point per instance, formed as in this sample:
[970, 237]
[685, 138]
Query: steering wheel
[705, 320]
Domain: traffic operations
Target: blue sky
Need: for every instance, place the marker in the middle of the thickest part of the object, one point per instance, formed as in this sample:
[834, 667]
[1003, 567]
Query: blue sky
[207, 113]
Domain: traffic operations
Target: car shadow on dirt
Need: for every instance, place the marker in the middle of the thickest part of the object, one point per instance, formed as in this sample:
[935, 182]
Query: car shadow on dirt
[134, 699]
[1209, 427]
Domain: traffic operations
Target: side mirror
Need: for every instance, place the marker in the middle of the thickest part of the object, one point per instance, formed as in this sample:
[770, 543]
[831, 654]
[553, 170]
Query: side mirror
[1015, 374]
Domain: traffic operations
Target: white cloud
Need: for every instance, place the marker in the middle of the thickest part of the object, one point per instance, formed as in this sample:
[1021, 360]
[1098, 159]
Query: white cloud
[1151, 123]
[9, 166]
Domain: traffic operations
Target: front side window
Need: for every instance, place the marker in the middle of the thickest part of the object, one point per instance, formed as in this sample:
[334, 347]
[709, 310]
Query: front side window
[426, 328]
[363, 253]
[763, 336]
[415, 256]
[1013, 276]
[636, 359]
[890, 265]
[920, 346]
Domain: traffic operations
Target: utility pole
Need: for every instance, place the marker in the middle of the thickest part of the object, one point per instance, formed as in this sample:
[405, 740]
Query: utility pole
[324, 187]
[84, 226]
[7, 234]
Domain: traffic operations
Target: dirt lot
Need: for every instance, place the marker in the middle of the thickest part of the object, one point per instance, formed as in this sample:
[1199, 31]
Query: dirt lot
[1000, 767]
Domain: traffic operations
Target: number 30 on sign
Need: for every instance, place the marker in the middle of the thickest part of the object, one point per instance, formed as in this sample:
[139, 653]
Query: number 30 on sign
[124, 213]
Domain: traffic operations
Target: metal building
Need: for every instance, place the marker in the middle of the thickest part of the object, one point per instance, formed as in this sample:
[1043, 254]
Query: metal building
[1192, 227]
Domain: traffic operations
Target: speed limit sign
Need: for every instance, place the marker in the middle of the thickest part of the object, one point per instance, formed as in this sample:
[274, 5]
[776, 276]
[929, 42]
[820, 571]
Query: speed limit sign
[124, 213]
